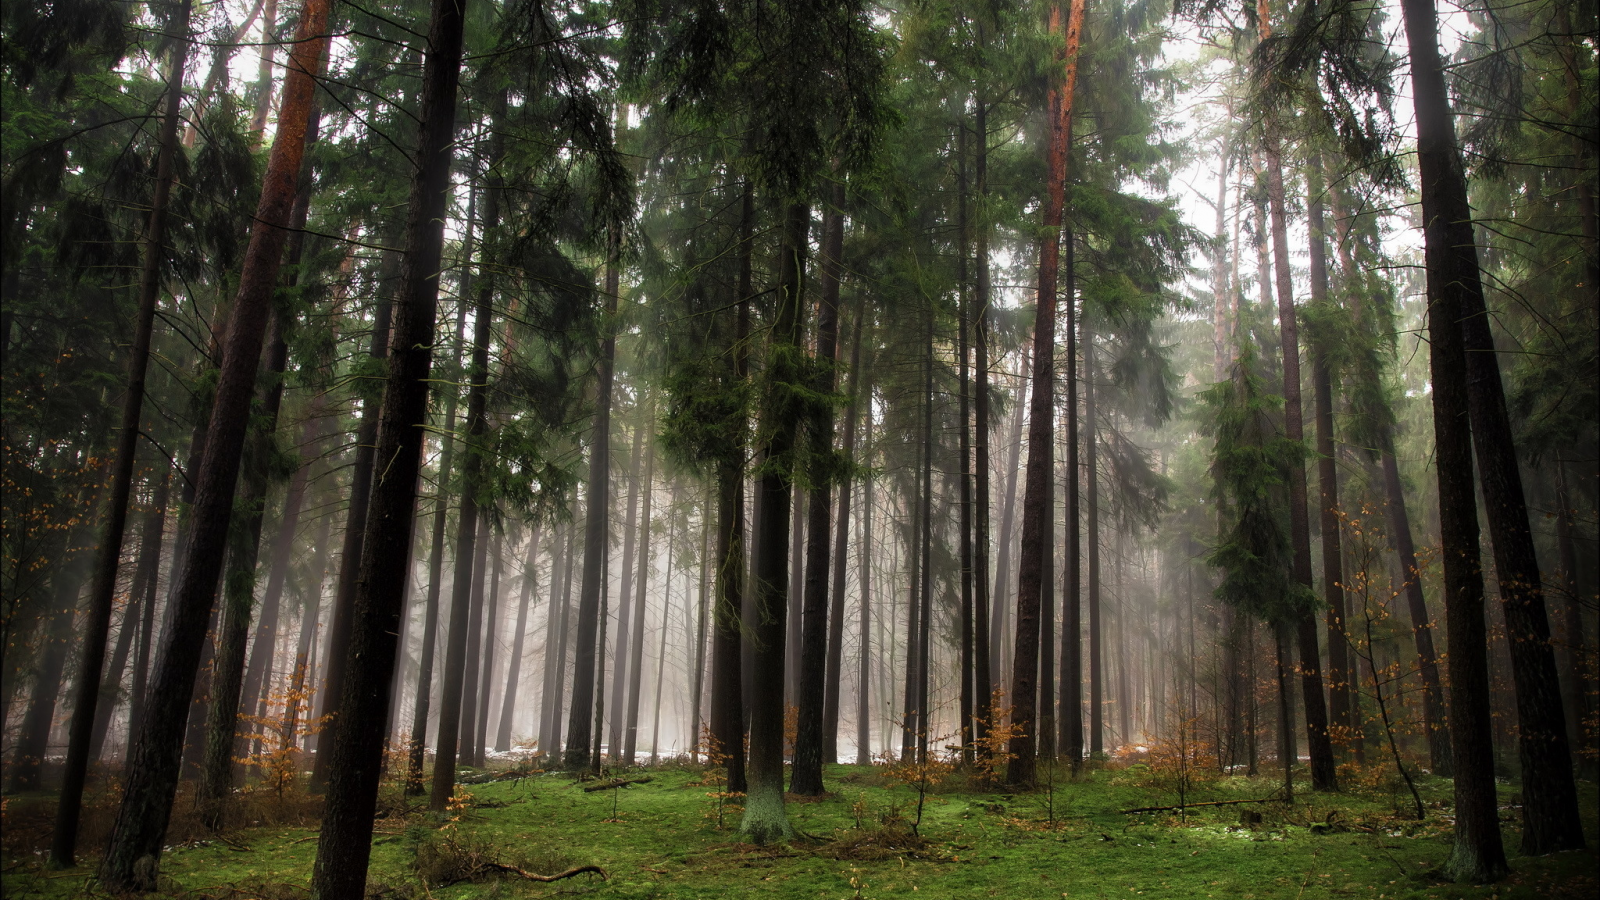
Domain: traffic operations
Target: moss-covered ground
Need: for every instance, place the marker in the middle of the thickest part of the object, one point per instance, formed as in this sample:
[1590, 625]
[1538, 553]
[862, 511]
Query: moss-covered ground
[667, 839]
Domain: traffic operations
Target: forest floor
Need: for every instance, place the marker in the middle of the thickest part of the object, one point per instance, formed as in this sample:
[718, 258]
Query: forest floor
[674, 836]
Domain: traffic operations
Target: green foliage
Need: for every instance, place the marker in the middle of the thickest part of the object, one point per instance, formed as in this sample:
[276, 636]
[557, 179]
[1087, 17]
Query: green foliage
[1248, 467]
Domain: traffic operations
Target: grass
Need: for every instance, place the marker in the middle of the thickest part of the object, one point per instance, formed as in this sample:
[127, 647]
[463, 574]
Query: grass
[663, 842]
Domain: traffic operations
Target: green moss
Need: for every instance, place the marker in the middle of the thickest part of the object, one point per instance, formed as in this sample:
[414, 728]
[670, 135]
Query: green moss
[663, 843]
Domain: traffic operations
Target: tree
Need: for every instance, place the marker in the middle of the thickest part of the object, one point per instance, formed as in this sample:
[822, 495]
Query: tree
[134, 853]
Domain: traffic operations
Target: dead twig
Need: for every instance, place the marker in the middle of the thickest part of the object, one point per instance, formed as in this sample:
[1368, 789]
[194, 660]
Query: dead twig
[615, 783]
[1143, 809]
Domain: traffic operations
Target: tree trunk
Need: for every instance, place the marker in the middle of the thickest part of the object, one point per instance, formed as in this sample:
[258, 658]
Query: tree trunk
[997, 613]
[698, 690]
[863, 697]
[345, 842]
[555, 651]
[102, 590]
[447, 746]
[765, 820]
[305, 645]
[964, 437]
[1344, 728]
[831, 687]
[34, 740]
[620, 669]
[1071, 721]
[354, 534]
[263, 652]
[480, 738]
[268, 49]
[1091, 445]
[806, 773]
[422, 708]
[508, 705]
[596, 537]
[1323, 775]
[924, 588]
[227, 680]
[983, 671]
[727, 662]
[132, 858]
[630, 738]
[141, 599]
[1478, 855]
[1576, 654]
[151, 545]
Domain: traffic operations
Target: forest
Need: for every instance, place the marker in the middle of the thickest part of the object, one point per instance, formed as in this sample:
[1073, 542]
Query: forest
[800, 448]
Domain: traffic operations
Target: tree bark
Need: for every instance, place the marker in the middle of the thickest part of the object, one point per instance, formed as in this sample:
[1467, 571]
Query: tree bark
[1344, 728]
[468, 567]
[345, 843]
[830, 707]
[1071, 720]
[863, 673]
[102, 591]
[630, 739]
[806, 773]
[983, 671]
[1478, 855]
[227, 678]
[619, 674]
[422, 707]
[141, 664]
[508, 705]
[141, 599]
[480, 738]
[727, 644]
[765, 820]
[964, 438]
[1323, 775]
[132, 859]
[596, 535]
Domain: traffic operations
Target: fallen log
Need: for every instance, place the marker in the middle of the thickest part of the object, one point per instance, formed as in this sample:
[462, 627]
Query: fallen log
[615, 783]
[533, 876]
[1143, 809]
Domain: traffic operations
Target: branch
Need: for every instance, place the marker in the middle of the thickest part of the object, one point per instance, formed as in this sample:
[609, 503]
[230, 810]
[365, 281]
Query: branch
[1194, 805]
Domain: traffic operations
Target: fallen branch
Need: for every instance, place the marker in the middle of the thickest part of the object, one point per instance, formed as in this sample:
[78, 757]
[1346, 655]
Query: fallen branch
[1194, 805]
[615, 783]
[531, 876]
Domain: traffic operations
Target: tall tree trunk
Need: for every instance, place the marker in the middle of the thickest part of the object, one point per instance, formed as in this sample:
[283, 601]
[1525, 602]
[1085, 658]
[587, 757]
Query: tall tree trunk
[620, 669]
[102, 590]
[345, 842]
[806, 773]
[666, 620]
[630, 738]
[1323, 775]
[983, 687]
[422, 707]
[305, 647]
[1576, 656]
[792, 631]
[924, 588]
[997, 614]
[132, 858]
[468, 558]
[480, 738]
[1037, 516]
[137, 622]
[555, 649]
[596, 538]
[1342, 723]
[1071, 722]
[239, 582]
[863, 673]
[727, 657]
[765, 820]
[227, 696]
[354, 533]
[1478, 855]
[698, 689]
[964, 431]
[263, 88]
[1091, 479]
[263, 652]
[151, 544]
[508, 705]
[34, 740]
[841, 544]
